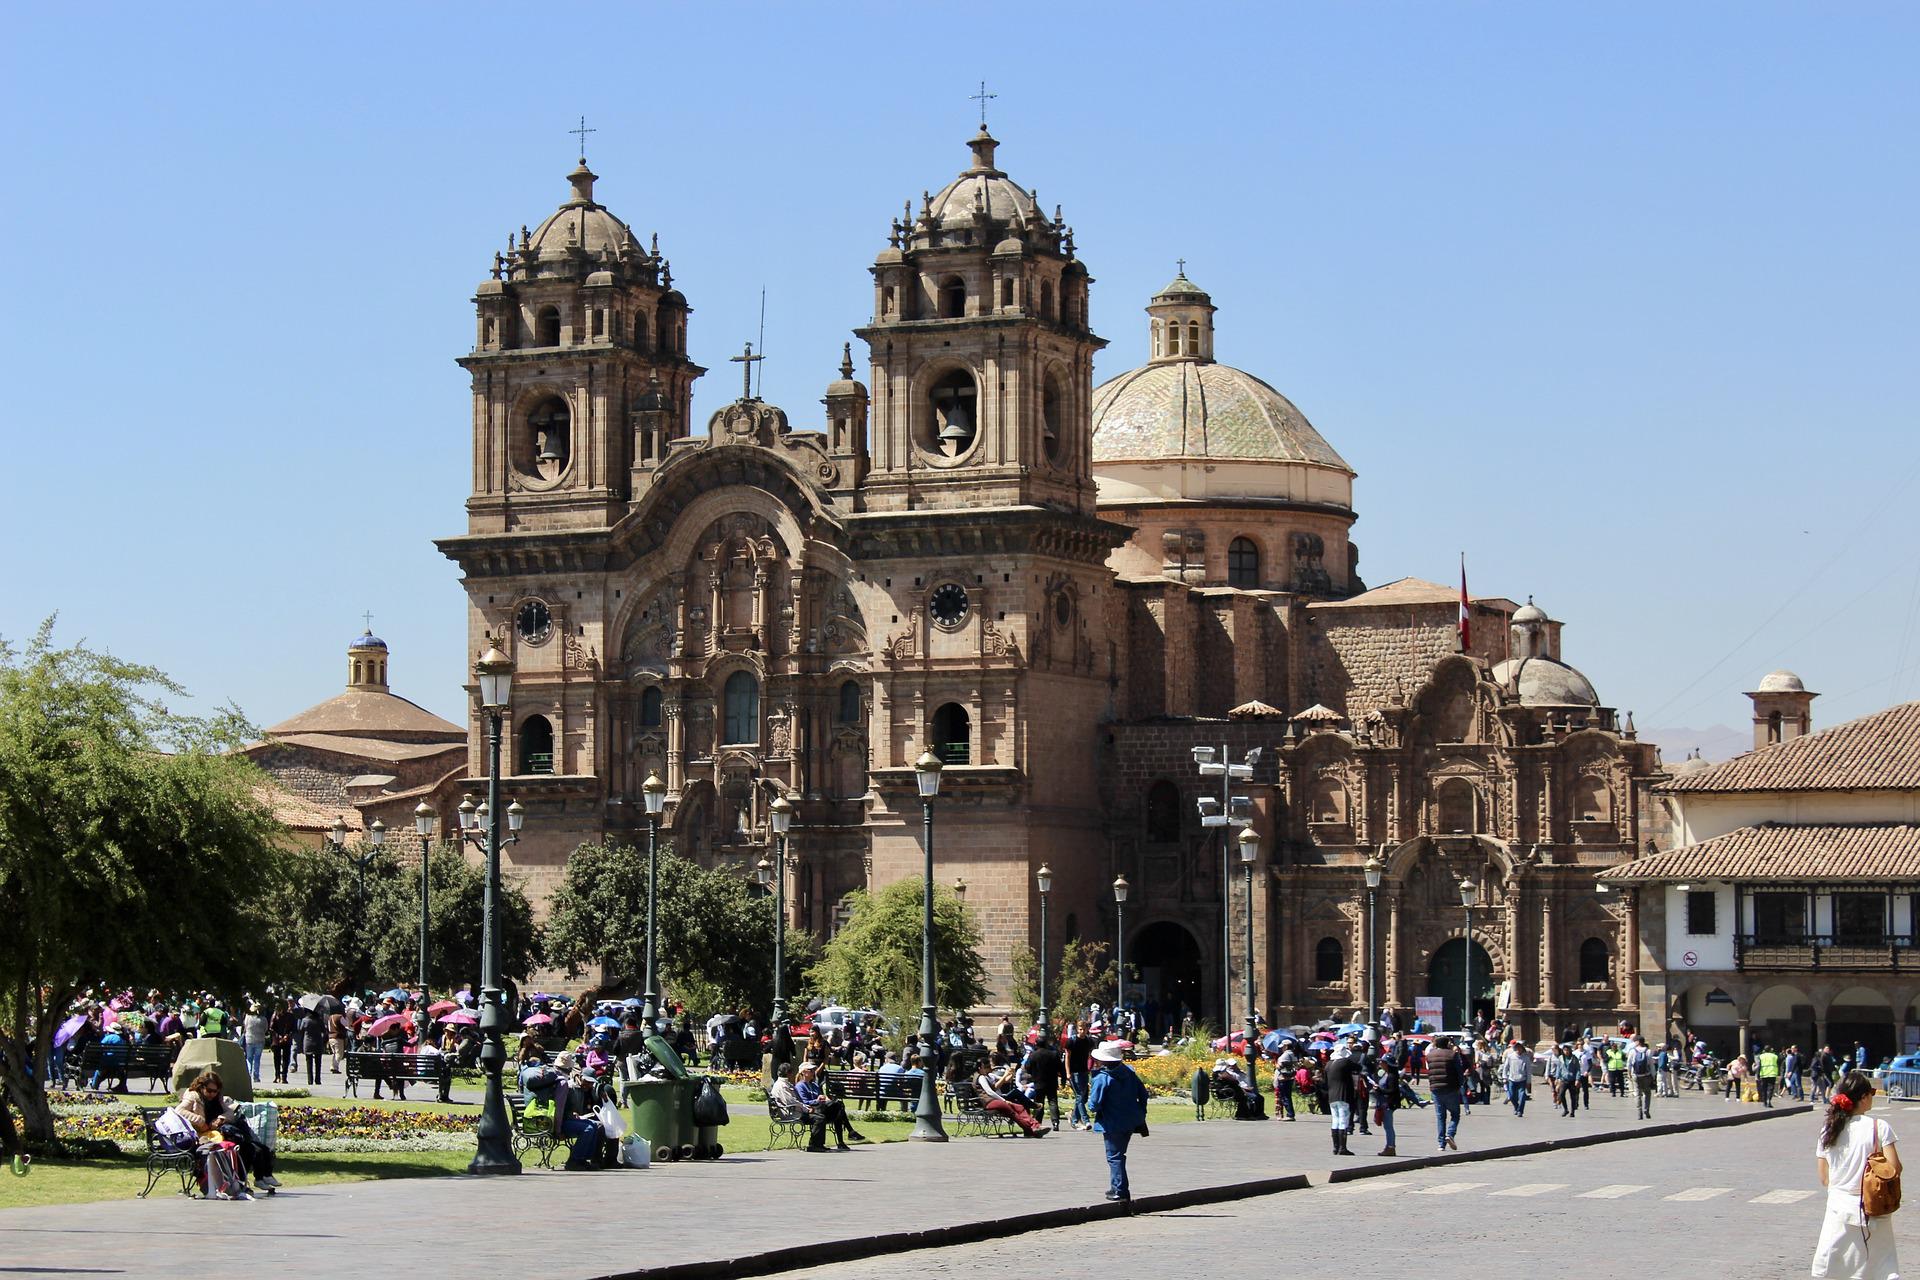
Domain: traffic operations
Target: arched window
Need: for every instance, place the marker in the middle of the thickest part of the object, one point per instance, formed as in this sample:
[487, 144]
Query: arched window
[1156, 339]
[1592, 798]
[1329, 801]
[1052, 414]
[615, 326]
[850, 702]
[1243, 563]
[1594, 964]
[1173, 338]
[1329, 961]
[549, 429]
[1006, 292]
[954, 405]
[536, 745]
[1456, 806]
[1163, 812]
[1773, 728]
[952, 733]
[546, 328]
[1046, 299]
[953, 298]
[1193, 339]
[742, 697]
[650, 705]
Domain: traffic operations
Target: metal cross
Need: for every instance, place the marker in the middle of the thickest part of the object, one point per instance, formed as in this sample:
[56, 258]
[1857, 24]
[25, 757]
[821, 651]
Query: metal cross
[746, 362]
[982, 98]
[369, 617]
[582, 133]
[1182, 263]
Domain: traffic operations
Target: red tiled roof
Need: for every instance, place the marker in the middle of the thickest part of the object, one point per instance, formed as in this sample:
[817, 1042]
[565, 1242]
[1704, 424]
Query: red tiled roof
[1781, 851]
[1413, 591]
[1880, 752]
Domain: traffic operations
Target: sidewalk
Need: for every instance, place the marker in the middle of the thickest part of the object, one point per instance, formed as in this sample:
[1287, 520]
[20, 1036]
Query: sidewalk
[759, 1213]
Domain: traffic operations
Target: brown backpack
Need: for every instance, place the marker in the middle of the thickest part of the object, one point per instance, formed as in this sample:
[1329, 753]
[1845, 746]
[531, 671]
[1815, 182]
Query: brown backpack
[1879, 1184]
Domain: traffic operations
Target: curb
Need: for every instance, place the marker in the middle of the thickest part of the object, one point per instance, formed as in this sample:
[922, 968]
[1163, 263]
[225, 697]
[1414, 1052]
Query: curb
[823, 1252]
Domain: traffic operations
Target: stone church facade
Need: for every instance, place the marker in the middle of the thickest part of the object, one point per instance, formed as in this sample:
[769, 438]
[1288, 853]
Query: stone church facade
[1058, 588]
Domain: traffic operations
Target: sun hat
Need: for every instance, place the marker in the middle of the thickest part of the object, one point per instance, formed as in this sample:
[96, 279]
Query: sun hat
[1108, 1053]
[805, 1067]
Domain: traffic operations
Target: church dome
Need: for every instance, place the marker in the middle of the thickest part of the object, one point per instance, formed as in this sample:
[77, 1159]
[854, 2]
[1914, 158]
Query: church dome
[1191, 409]
[368, 641]
[1781, 682]
[1530, 612]
[982, 193]
[581, 224]
[1545, 682]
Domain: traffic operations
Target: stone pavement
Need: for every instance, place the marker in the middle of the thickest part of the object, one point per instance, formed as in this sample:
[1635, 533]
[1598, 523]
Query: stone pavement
[763, 1212]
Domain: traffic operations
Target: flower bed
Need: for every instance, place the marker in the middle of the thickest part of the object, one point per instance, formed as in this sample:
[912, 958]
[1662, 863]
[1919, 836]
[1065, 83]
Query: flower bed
[301, 1128]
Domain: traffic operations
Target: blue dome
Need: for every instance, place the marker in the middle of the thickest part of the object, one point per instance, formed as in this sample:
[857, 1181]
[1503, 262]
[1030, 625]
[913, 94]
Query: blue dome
[368, 641]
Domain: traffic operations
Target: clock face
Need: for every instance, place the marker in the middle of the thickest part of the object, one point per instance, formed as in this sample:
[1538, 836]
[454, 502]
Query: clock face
[948, 603]
[534, 621]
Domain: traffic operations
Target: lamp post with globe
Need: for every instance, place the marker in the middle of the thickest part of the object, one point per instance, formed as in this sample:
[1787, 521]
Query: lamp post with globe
[926, 1116]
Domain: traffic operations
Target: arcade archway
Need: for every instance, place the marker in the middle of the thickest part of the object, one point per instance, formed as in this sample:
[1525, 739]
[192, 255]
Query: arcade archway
[1448, 976]
[1164, 968]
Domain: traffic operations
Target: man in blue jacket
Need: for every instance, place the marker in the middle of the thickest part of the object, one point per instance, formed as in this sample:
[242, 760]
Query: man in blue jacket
[1118, 1102]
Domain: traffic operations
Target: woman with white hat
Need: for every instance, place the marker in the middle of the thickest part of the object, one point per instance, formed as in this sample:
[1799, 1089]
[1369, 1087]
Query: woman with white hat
[1118, 1102]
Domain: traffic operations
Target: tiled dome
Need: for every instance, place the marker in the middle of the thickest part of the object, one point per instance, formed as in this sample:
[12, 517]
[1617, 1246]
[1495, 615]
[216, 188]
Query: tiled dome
[1199, 409]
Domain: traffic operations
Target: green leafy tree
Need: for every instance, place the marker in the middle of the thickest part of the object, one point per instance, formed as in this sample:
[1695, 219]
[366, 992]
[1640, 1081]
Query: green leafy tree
[714, 943]
[134, 850]
[1084, 976]
[332, 944]
[874, 960]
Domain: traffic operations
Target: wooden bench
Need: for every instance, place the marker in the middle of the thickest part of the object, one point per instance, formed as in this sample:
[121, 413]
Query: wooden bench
[543, 1143]
[154, 1062]
[971, 1114]
[398, 1068]
[162, 1159]
[874, 1089]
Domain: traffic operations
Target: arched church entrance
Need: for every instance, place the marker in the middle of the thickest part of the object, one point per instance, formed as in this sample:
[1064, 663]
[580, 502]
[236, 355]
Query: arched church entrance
[1448, 976]
[1163, 963]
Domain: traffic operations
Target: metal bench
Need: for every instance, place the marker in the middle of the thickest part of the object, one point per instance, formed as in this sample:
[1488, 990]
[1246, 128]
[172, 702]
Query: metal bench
[152, 1061]
[542, 1142]
[398, 1069]
[162, 1159]
[787, 1126]
[971, 1114]
[874, 1089]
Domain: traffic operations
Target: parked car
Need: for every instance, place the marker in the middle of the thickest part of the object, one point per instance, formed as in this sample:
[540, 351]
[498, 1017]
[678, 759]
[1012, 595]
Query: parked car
[1899, 1078]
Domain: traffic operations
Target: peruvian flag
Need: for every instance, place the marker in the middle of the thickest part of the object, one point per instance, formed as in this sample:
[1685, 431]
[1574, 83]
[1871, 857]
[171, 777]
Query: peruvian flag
[1466, 620]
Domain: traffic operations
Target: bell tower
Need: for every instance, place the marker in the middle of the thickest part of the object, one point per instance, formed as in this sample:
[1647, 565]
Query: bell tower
[580, 350]
[981, 355]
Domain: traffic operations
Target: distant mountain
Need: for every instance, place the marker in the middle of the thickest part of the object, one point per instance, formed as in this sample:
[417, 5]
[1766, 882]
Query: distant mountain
[1716, 743]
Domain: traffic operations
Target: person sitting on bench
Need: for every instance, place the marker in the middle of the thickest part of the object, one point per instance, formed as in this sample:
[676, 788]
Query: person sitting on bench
[816, 1103]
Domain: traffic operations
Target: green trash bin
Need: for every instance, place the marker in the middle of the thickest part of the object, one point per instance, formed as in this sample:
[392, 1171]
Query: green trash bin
[661, 1109]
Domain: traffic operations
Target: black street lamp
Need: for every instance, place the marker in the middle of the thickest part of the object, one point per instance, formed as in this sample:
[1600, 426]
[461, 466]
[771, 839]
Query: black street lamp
[926, 1116]
[1249, 842]
[1469, 895]
[1225, 810]
[780, 818]
[1045, 878]
[1373, 869]
[494, 1152]
[1119, 944]
[423, 820]
[654, 792]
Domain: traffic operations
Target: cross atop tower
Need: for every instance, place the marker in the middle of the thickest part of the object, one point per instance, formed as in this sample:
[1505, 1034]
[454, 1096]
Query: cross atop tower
[746, 360]
[369, 617]
[582, 133]
[982, 97]
[1181, 263]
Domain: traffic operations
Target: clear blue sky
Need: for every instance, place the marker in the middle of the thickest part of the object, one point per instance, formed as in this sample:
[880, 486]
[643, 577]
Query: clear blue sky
[1618, 299]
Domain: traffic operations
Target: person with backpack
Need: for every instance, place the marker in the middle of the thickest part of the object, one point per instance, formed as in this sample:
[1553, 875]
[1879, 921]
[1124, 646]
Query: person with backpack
[1386, 1099]
[1283, 1080]
[1566, 1079]
[1855, 1154]
[1640, 1067]
[1446, 1076]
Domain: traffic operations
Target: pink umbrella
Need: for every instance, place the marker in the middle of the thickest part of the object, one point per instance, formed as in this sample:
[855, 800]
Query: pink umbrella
[538, 1020]
[439, 1007]
[460, 1018]
[380, 1026]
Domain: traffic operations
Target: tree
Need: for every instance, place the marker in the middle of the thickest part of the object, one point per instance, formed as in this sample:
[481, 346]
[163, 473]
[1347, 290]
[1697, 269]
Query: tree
[1084, 976]
[874, 961]
[713, 948]
[134, 849]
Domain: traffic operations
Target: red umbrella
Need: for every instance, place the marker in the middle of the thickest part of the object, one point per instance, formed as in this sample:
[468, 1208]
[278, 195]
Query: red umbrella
[380, 1026]
[439, 1007]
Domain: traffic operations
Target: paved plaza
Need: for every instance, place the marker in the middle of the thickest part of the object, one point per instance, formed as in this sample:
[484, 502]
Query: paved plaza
[764, 1212]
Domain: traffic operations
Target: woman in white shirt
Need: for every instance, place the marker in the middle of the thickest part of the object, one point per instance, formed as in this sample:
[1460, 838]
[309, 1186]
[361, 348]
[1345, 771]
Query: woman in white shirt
[1853, 1246]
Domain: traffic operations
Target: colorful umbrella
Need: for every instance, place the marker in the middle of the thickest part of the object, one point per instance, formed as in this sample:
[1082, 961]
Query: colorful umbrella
[604, 1022]
[439, 1007]
[461, 1018]
[538, 1020]
[380, 1026]
[397, 993]
[67, 1028]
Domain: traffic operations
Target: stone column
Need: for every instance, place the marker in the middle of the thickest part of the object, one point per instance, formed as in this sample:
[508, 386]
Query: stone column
[676, 778]
[1396, 953]
[1744, 1046]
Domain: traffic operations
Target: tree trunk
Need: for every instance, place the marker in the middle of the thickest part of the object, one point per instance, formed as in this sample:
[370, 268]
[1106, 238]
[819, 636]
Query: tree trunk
[26, 1093]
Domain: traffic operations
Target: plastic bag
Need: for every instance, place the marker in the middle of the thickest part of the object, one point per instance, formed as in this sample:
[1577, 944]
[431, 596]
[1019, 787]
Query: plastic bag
[613, 1121]
[709, 1108]
[635, 1152]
